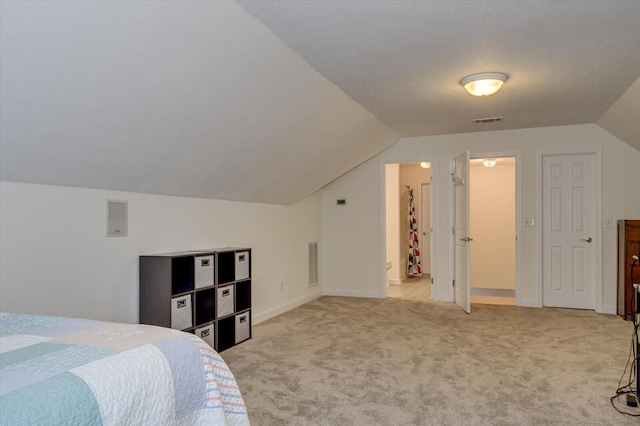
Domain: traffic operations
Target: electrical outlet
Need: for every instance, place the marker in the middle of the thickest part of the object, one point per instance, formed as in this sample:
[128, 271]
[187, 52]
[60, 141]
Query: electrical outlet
[529, 221]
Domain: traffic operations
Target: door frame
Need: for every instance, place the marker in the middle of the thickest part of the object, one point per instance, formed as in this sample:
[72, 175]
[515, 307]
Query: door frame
[421, 230]
[518, 189]
[597, 152]
[516, 155]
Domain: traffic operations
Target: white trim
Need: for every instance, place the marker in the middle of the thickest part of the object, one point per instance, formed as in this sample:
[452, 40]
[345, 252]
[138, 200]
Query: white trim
[394, 281]
[434, 227]
[493, 292]
[270, 313]
[451, 296]
[355, 293]
[382, 264]
[530, 303]
[598, 296]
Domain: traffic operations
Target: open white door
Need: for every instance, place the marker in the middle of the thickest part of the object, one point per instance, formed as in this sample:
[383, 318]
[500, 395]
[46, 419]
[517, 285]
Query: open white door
[461, 231]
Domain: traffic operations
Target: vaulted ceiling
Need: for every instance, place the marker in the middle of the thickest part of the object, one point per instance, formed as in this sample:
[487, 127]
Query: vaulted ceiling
[268, 101]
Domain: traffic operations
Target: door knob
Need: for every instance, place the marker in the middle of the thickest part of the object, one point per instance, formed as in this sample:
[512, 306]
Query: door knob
[587, 239]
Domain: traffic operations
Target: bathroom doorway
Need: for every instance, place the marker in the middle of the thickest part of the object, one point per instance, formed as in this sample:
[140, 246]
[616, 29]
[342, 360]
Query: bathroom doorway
[409, 236]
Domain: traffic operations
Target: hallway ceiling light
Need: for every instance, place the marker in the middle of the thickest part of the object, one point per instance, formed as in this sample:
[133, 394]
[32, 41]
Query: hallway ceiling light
[489, 163]
[484, 84]
[424, 165]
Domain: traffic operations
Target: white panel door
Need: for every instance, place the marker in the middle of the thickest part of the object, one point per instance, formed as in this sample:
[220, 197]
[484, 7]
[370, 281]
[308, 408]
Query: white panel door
[425, 222]
[568, 229]
[461, 231]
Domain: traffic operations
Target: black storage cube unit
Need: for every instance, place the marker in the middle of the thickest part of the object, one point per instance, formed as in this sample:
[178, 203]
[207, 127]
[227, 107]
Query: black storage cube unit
[243, 295]
[181, 274]
[226, 267]
[226, 333]
[205, 306]
[208, 301]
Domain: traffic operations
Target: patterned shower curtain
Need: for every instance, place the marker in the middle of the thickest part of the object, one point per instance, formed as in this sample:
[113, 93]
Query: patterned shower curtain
[413, 263]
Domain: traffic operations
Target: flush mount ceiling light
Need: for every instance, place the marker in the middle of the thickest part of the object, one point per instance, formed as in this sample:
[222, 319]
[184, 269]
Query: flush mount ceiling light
[424, 165]
[484, 84]
[489, 163]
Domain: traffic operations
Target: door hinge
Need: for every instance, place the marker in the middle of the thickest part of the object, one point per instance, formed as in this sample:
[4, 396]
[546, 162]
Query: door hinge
[431, 280]
[454, 283]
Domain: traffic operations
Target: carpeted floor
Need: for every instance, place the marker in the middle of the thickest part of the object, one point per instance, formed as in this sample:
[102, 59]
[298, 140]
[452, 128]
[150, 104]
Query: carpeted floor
[352, 361]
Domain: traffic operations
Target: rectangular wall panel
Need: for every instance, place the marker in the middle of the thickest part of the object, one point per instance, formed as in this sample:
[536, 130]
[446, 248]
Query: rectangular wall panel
[577, 209]
[578, 269]
[556, 268]
[556, 209]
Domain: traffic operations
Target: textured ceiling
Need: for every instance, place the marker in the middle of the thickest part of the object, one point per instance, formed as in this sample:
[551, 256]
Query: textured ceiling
[568, 61]
[201, 99]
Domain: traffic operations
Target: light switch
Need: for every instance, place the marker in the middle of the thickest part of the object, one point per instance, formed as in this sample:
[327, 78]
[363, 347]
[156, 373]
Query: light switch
[529, 221]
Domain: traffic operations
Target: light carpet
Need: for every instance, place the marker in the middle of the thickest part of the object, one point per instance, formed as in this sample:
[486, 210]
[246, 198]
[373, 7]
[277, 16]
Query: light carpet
[354, 361]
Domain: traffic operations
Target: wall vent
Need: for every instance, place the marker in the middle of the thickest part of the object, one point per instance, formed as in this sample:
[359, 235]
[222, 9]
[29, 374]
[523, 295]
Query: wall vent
[488, 120]
[313, 263]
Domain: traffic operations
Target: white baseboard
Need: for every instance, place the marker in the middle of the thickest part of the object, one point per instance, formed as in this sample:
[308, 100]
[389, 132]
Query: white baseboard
[353, 293]
[530, 303]
[394, 281]
[493, 292]
[274, 312]
[609, 309]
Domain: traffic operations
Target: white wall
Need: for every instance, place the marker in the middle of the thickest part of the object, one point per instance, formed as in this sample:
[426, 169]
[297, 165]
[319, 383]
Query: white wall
[358, 230]
[55, 258]
[492, 254]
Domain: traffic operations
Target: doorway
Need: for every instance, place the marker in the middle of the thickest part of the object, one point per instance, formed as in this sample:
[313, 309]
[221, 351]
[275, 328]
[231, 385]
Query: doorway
[493, 228]
[409, 238]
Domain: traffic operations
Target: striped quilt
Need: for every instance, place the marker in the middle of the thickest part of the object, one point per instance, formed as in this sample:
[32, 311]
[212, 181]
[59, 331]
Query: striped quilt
[63, 371]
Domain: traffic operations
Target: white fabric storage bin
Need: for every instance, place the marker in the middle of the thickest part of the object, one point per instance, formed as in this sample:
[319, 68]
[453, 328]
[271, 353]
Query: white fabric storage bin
[206, 334]
[181, 316]
[225, 301]
[243, 327]
[242, 265]
[203, 271]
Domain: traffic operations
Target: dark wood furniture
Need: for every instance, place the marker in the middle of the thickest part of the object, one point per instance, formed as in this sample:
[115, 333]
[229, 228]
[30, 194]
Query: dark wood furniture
[628, 245]
[205, 292]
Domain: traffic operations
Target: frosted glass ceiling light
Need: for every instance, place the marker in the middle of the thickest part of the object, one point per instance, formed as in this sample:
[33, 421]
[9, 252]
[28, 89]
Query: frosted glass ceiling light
[489, 163]
[484, 84]
[424, 165]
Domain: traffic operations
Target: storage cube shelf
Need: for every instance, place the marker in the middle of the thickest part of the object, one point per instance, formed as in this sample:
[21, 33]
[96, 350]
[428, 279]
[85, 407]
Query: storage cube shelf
[205, 292]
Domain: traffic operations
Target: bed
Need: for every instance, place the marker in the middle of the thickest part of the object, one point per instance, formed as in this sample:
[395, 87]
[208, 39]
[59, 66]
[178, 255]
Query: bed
[56, 370]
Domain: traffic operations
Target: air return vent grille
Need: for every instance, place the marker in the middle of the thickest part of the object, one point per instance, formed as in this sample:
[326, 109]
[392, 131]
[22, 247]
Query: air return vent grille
[313, 263]
[488, 120]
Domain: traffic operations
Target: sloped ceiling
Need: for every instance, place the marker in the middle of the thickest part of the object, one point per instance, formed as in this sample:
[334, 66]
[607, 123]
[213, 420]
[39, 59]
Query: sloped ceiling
[180, 98]
[267, 101]
[567, 61]
[622, 119]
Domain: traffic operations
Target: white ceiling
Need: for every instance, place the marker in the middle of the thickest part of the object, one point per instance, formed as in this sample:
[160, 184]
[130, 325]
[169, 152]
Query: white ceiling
[201, 99]
[181, 98]
[568, 61]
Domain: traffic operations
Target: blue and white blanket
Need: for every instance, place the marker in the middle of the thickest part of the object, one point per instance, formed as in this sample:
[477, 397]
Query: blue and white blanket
[66, 371]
